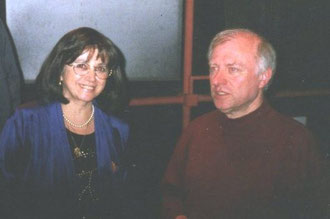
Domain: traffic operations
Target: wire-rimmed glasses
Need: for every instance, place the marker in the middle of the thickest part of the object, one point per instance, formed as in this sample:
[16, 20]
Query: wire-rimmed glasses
[101, 71]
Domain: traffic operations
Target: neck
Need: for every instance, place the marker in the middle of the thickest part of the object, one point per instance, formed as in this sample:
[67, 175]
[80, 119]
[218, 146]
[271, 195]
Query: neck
[77, 108]
[79, 118]
[249, 108]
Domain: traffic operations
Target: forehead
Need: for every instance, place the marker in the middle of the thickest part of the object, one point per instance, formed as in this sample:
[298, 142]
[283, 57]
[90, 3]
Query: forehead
[91, 54]
[239, 49]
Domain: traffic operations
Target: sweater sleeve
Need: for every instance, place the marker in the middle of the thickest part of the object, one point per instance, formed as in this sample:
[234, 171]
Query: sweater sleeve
[172, 183]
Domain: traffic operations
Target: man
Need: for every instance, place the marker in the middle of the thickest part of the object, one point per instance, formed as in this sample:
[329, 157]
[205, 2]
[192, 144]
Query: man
[10, 77]
[244, 160]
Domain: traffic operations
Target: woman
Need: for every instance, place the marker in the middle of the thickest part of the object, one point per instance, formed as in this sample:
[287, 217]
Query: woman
[61, 158]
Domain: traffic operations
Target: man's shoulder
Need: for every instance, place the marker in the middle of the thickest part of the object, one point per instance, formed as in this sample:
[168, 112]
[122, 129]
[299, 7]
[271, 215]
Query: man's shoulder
[287, 124]
[285, 120]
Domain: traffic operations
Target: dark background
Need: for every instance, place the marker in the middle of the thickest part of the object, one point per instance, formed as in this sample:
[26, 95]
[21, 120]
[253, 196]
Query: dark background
[299, 31]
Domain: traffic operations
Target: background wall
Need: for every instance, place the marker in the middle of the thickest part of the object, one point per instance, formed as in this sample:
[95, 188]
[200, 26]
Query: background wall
[298, 29]
[149, 33]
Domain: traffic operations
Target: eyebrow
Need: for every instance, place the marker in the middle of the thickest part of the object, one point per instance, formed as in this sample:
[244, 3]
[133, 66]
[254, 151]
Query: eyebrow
[86, 61]
[234, 64]
[228, 64]
[211, 63]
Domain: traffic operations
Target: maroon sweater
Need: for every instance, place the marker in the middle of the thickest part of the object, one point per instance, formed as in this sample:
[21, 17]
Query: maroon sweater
[255, 166]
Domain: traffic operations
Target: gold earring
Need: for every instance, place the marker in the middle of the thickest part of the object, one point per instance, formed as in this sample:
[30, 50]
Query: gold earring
[110, 73]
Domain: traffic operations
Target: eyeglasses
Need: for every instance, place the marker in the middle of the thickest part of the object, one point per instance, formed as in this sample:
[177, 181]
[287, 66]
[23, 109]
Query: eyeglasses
[82, 69]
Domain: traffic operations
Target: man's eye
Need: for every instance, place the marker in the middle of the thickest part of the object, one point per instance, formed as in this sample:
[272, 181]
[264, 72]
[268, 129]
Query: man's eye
[213, 69]
[233, 70]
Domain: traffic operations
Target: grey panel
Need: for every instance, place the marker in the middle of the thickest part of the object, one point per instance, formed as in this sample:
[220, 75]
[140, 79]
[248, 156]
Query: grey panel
[148, 32]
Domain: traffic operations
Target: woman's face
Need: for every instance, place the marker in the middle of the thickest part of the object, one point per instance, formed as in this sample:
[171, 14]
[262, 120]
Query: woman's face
[83, 88]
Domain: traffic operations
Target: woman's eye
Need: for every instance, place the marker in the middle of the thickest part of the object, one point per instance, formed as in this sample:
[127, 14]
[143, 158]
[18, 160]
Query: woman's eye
[101, 69]
[82, 66]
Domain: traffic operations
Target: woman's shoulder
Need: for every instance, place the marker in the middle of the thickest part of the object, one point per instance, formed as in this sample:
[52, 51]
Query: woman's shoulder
[29, 117]
[115, 121]
[35, 107]
[35, 113]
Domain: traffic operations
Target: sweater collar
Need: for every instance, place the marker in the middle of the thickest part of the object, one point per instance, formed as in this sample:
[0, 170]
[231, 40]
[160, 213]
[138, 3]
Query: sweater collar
[254, 116]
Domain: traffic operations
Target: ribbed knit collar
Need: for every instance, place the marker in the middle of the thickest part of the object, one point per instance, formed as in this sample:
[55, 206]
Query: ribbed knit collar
[254, 116]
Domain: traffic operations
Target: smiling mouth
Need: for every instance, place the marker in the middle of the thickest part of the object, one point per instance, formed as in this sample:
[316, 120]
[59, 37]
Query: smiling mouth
[86, 87]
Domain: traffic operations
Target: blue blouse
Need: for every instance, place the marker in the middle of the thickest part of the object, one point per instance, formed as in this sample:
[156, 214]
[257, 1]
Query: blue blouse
[40, 130]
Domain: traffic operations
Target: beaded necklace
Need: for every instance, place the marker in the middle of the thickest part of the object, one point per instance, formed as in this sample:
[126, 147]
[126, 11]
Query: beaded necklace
[82, 125]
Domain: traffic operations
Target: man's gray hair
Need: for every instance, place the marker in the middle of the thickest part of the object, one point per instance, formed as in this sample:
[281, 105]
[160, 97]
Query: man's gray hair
[266, 55]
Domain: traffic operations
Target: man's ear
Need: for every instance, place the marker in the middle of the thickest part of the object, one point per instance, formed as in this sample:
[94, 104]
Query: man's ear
[265, 77]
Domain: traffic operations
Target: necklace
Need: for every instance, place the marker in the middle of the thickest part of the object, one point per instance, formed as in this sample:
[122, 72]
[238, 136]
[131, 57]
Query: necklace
[77, 149]
[82, 125]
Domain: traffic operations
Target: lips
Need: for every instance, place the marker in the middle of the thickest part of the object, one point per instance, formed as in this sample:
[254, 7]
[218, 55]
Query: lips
[221, 93]
[87, 87]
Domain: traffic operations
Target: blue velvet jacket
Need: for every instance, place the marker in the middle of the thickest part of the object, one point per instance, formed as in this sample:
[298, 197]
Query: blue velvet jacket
[35, 151]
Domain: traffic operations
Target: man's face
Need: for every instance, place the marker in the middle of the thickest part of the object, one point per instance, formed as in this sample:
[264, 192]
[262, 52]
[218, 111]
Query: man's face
[236, 88]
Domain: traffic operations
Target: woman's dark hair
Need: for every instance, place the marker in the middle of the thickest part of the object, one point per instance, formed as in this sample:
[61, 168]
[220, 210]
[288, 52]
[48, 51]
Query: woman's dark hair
[114, 96]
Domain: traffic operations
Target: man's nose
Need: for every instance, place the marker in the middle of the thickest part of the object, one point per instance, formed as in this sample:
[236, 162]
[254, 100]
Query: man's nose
[218, 78]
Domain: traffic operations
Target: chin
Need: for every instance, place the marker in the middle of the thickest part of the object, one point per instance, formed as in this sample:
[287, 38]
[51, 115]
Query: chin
[225, 109]
[221, 107]
[87, 99]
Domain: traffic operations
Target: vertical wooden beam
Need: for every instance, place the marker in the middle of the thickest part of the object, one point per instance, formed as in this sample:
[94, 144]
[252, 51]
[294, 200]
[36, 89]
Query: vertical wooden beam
[187, 64]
